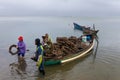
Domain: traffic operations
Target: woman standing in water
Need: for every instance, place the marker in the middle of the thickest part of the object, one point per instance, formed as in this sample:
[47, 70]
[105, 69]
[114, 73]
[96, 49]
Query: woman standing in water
[21, 47]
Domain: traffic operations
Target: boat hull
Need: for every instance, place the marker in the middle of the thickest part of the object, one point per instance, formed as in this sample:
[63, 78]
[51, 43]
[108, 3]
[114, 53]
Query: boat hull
[71, 58]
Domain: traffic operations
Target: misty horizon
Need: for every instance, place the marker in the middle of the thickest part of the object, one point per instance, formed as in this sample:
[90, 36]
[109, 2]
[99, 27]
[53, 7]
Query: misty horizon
[73, 8]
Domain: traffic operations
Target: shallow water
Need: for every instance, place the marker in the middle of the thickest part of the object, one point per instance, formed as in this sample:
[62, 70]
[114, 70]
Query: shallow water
[105, 66]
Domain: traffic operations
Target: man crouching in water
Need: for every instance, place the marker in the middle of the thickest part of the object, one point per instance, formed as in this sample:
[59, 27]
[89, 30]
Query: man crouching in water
[39, 56]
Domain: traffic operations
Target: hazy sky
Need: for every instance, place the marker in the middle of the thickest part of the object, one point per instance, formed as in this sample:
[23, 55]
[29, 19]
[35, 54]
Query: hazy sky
[59, 7]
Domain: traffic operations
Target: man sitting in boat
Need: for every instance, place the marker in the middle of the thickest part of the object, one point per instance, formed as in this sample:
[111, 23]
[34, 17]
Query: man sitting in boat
[47, 44]
[46, 41]
[47, 37]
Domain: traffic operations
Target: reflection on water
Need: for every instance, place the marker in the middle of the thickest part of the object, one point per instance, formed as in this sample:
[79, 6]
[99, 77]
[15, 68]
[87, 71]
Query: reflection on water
[18, 68]
[61, 71]
[22, 70]
[95, 50]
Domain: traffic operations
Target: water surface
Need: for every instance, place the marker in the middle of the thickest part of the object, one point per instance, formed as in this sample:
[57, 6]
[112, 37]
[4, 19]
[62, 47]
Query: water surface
[105, 66]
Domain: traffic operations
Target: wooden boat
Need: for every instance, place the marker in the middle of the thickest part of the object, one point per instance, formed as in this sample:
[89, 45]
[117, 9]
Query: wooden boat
[84, 52]
[71, 57]
[86, 30]
[79, 27]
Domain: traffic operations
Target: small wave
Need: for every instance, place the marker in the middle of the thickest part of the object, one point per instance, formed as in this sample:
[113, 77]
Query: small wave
[107, 56]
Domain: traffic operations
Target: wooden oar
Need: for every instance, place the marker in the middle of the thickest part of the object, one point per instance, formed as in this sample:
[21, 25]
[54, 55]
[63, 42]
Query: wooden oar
[95, 32]
[95, 52]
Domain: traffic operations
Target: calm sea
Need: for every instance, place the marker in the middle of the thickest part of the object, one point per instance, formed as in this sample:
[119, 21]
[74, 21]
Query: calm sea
[105, 66]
